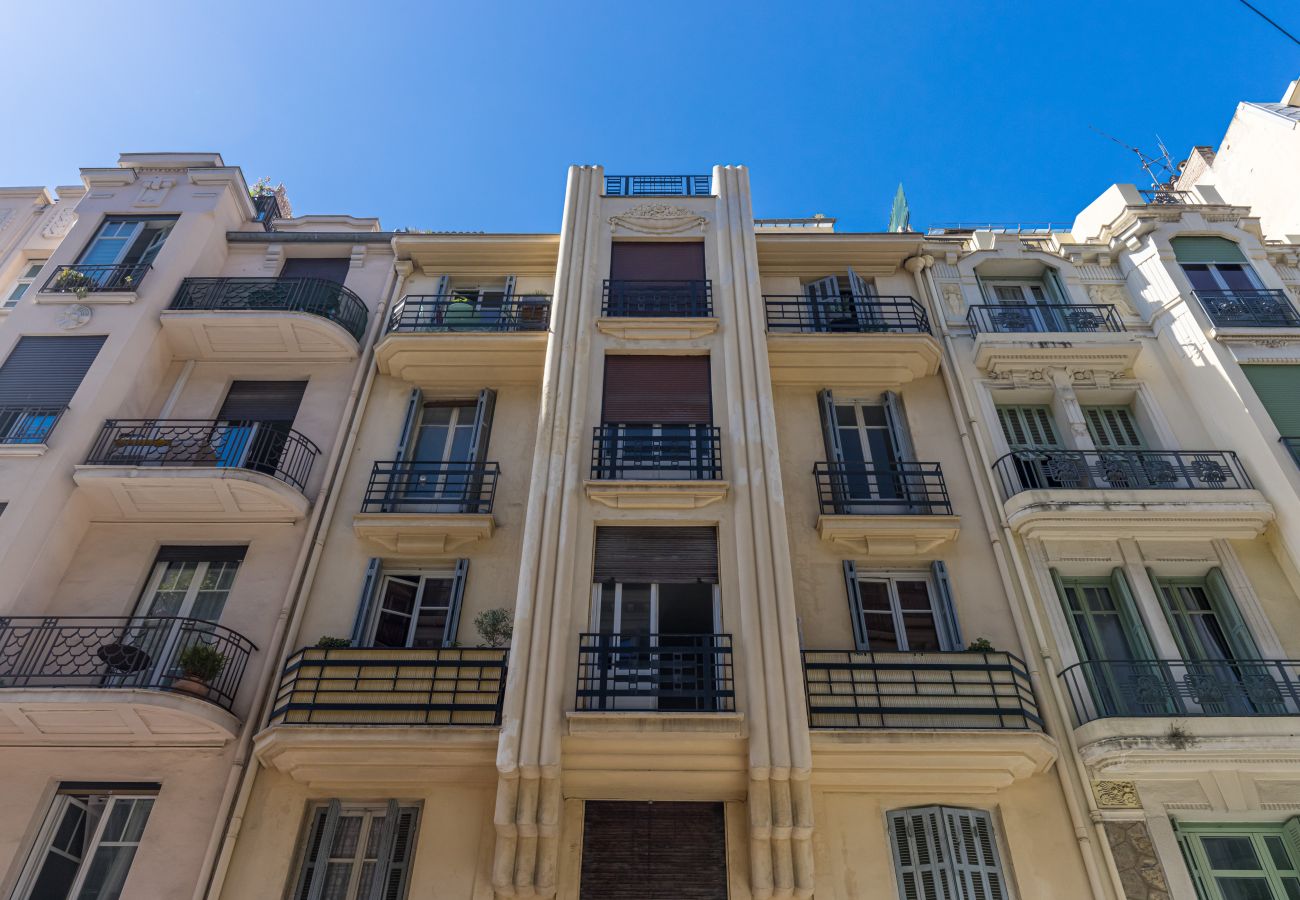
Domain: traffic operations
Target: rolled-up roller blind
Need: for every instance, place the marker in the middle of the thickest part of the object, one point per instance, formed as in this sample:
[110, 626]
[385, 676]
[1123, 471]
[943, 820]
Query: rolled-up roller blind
[657, 390]
[663, 555]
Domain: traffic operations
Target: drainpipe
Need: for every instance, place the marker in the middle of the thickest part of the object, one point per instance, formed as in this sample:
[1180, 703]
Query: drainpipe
[1031, 634]
[239, 785]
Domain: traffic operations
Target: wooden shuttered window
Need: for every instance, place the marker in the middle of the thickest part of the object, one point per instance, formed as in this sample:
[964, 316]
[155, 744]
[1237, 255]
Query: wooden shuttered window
[944, 853]
[357, 853]
[657, 390]
[1028, 427]
[656, 261]
[1206, 249]
[657, 555]
[647, 851]
[1278, 388]
[1113, 427]
[47, 370]
[262, 401]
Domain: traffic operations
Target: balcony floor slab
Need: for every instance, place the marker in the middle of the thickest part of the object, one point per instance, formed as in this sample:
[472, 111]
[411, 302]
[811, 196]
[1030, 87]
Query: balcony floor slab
[380, 755]
[889, 536]
[851, 360]
[183, 494]
[422, 534]
[656, 494]
[436, 361]
[1139, 747]
[1113, 353]
[1240, 514]
[256, 335]
[111, 717]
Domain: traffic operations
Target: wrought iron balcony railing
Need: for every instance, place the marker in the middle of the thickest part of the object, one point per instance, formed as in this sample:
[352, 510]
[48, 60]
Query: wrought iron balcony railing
[28, 424]
[654, 452]
[95, 279]
[847, 315]
[977, 690]
[866, 488]
[663, 672]
[318, 296]
[658, 185]
[657, 299]
[1025, 318]
[266, 447]
[438, 313]
[1166, 470]
[119, 652]
[392, 686]
[1249, 309]
[401, 486]
[1100, 689]
[1163, 197]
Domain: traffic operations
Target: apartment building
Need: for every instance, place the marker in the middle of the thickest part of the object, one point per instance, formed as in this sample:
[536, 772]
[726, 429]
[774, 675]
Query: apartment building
[677, 553]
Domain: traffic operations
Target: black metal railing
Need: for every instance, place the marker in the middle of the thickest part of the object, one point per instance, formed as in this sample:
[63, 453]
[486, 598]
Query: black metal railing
[1100, 689]
[318, 296]
[657, 299]
[867, 488]
[118, 652]
[1293, 445]
[392, 686]
[658, 185]
[1168, 197]
[1249, 309]
[1027, 470]
[94, 279]
[663, 672]
[846, 315]
[28, 424]
[656, 452]
[402, 486]
[268, 447]
[452, 313]
[267, 207]
[977, 690]
[1019, 318]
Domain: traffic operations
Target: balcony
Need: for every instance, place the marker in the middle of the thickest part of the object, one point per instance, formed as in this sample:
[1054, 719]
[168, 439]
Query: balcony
[116, 680]
[1125, 711]
[1164, 197]
[1084, 338]
[24, 430]
[438, 341]
[656, 466]
[272, 319]
[1040, 318]
[186, 470]
[1128, 493]
[108, 284]
[853, 340]
[898, 509]
[386, 715]
[1249, 309]
[658, 185]
[656, 673]
[421, 508]
[972, 713]
[657, 310]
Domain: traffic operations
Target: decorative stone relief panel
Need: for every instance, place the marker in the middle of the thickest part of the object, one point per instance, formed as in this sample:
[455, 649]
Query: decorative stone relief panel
[1094, 272]
[1116, 795]
[1113, 294]
[952, 296]
[154, 191]
[59, 223]
[657, 218]
[1140, 872]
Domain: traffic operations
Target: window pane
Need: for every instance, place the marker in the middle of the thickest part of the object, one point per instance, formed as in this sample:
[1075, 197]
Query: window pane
[399, 595]
[913, 596]
[875, 595]
[1292, 887]
[391, 630]
[430, 628]
[1236, 277]
[1244, 889]
[880, 632]
[346, 837]
[107, 873]
[337, 876]
[1201, 278]
[1237, 853]
[1277, 850]
[922, 634]
[636, 609]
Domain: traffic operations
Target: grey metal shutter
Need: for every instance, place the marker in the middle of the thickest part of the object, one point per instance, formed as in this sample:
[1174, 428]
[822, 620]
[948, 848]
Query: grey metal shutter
[1278, 388]
[944, 853]
[657, 390]
[656, 261]
[47, 370]
[335, 270]
[262, 401]
[653, 851]
[663, 555]
[1206, 249]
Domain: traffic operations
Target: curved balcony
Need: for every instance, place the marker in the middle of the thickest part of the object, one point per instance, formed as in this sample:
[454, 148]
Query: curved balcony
[117, 678]
[1127, 493]
[197, 470]
[1043, 317]
[264, 319]
[1249, 309]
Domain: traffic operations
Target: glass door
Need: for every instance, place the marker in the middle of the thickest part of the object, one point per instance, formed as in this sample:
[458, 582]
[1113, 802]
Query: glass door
[177, 593]
[1113, 648]
[439, 477]
[870, 477]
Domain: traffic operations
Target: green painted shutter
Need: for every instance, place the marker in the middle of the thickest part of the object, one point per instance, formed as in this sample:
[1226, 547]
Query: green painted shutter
[1113, 427]
[855, 605]
[1028, 427]
[945, 608]
[1225, 607]
[1205, 249]
[1128, 609]
[1278, 388]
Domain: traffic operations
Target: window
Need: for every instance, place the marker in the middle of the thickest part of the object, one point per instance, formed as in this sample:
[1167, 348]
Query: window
[1204, 618]
[1243, 862]
[348, 847]
[31, 269]
[1113, 427]
[1278, 388]
[1017, 292]
[86, 844]
[869, 444]
[191, 582]
[941, 853]
[127, 241]
[910, 612]
[412, 608]
[657, 261]
[37, 382]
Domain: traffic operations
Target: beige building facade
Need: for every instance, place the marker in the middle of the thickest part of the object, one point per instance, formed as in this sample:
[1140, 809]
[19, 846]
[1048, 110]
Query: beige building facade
[677, 553]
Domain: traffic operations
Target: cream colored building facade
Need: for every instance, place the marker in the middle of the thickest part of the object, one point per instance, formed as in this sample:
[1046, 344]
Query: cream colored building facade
[674, 554]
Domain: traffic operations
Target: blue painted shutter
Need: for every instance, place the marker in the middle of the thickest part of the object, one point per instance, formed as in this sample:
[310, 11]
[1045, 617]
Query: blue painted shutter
[487, 402]
[921, 862]
[898, 429]
[854, 593]
[369, 590]
[311, 882]
[945, 610]
[409, 424]
[830, 433]
[974, 854]
[393, 855]
[457, 595]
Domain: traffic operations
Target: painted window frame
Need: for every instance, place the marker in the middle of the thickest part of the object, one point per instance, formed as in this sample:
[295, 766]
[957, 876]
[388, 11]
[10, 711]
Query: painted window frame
[129, 240]
[891, 578]
[597, 596]
[313, 854]
[1286, 835]
[31, 273]
[454, 575]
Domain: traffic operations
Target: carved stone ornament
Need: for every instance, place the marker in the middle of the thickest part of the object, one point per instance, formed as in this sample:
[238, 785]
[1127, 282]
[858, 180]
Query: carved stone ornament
[59, 223]
[657, 218]
[74, 316]
[1116, 795]
[952, 296]
[1113, 294]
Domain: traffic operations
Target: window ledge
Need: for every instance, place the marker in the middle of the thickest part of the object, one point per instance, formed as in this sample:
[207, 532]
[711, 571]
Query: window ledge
[96, 298]
[23, 450]
[884, 535]
[685, 494]
[666, 328]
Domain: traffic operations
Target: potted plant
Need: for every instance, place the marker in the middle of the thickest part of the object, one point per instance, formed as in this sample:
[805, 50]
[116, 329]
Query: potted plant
[495, 626]
[199, 664]
[329, 642]
[73, 282]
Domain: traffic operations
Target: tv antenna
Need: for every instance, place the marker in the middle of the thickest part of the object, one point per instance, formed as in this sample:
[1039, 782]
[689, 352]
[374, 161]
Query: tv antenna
[1159, 167]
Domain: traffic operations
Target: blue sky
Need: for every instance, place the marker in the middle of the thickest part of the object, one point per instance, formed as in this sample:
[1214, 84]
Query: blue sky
[465, 115]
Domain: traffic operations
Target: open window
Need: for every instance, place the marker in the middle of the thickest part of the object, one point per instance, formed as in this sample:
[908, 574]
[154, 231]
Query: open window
[405, 607]
[902, 611]
[124, 243]
[357, 851]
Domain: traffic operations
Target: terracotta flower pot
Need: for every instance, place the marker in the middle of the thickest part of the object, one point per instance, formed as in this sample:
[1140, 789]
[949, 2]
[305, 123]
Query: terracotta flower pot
[193, 686]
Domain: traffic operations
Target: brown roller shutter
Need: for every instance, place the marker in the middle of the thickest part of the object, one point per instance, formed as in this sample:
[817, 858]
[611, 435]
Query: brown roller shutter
[647, 261]
[657, 390]
[335, 270]
[653, 851]
[664, 554]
